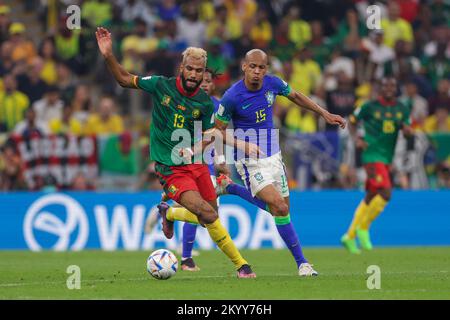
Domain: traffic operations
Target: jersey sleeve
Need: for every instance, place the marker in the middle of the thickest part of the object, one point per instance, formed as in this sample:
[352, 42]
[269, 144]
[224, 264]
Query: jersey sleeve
[147, 83]
[226, 107]
[281, 87]
[360, 113]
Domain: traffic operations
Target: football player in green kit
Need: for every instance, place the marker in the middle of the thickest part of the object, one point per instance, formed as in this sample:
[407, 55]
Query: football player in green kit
[179, 103]
[382, 119]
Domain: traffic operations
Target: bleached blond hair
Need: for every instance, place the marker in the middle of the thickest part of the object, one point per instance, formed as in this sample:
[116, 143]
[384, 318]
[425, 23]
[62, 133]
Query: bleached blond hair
[196, 53]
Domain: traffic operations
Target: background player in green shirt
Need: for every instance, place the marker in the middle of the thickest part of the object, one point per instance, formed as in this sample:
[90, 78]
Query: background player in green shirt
[177, 104]
[382, 120]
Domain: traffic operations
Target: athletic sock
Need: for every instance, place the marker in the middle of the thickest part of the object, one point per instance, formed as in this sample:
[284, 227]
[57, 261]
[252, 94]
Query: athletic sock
[223, 240]
[361, 213]
[189, 231]
[240, 191]
[376, 206]
[288, 234]
[181, 214]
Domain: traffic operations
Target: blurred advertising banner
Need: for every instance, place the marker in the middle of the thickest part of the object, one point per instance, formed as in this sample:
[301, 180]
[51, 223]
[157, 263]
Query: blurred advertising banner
[60, 157]
[115, 221]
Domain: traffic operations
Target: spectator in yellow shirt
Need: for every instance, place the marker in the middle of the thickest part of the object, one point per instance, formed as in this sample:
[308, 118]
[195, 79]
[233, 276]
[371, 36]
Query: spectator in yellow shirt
[106, 121]
[225, 23]
[396, 28]
[439, 121]
[306, 74]
[67, 124]
[299, 30]
[261, 32]
[23, 49]
[13, 104]
[47, 51]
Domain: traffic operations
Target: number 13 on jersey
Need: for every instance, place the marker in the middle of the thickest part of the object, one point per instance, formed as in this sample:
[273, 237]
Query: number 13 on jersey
[178, 122]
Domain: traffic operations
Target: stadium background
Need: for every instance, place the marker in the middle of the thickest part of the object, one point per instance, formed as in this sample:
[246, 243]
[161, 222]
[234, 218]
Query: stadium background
[67, 127]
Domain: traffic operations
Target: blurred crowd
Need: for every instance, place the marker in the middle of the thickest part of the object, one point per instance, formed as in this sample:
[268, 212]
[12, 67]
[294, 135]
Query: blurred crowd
[54, 81]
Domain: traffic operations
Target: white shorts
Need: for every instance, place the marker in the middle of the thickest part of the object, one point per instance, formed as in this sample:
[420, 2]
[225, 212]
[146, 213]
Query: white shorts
[259, 173]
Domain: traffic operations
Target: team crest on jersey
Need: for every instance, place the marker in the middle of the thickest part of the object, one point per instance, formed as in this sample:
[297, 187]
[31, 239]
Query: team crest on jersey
[399, 115]
[270, 98]
[166, 100]
[377, 114]
[172, 189]
[196, 113]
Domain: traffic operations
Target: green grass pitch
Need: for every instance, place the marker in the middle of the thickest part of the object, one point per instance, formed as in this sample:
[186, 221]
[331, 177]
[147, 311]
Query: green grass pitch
[406, 273]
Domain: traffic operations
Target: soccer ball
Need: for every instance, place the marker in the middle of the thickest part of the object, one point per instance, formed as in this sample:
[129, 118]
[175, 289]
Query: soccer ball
[162, 264]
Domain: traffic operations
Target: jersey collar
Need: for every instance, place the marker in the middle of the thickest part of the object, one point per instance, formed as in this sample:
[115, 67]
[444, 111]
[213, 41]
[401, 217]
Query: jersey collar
[184, 92]
[386, 103]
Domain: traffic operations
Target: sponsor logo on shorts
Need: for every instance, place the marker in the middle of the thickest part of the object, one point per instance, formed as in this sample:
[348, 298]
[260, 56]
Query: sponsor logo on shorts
[258, 176]
[172, 189]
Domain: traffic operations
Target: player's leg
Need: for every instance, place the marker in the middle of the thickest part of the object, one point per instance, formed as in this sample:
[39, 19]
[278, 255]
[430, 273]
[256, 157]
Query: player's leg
[187, 262]
[215, 228]
[348, 240]
[279, 208]
[226, 186]
[377, 201]
[207, 216]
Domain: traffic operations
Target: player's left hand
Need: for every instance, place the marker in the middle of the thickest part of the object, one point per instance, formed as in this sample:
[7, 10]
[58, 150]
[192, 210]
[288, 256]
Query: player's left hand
[335, 119]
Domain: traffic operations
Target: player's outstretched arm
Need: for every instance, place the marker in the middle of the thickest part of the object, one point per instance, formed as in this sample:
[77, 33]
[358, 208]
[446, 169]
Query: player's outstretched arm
[104, 41]
[305, 102]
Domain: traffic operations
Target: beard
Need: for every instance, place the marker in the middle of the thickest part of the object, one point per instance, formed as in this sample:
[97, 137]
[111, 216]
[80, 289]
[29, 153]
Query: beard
[185, 86]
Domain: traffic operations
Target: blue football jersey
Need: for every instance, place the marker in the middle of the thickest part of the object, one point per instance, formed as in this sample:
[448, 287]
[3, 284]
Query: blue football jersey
[253, 110]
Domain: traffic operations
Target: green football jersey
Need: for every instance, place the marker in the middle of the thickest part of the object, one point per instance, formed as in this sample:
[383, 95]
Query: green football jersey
[381, 123]
[173, 117]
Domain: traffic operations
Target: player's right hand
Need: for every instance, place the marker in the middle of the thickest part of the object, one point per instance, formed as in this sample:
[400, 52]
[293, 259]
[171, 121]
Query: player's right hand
[104, 41]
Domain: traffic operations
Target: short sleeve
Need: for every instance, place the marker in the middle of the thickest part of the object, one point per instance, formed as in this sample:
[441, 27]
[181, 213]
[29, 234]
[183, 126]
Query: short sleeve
[225, 111]
[361, 113]
[281, 87]
[147, 83]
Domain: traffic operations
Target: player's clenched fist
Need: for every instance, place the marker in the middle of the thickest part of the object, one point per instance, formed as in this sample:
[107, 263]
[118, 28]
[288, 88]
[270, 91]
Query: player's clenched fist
[104, 41]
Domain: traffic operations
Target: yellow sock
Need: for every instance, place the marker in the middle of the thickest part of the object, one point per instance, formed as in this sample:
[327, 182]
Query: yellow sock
[360, 214]
[376, 206]
[181, 214]
[223, 240]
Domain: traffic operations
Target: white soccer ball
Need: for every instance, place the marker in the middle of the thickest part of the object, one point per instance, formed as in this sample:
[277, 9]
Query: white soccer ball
[162, 264]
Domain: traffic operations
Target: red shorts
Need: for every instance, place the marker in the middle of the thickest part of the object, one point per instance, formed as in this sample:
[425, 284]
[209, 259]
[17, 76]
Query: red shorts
[192, 177]
[377, 176]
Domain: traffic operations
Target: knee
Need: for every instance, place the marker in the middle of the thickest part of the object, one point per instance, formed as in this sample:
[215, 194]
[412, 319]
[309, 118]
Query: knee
[386, 194]
[206, 214]
[279, 208]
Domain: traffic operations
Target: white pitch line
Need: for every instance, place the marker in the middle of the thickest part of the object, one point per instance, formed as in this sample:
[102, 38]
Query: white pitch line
[194, 277]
